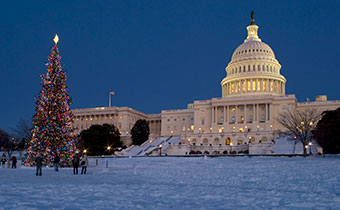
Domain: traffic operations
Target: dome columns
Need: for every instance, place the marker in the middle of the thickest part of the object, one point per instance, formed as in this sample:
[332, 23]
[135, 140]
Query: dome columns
[253, 86]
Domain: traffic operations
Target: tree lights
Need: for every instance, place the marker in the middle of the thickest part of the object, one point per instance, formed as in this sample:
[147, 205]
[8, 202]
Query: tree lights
[52, 128]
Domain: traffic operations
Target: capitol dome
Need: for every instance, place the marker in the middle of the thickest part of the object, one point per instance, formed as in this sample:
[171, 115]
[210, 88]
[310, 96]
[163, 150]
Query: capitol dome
[253, 68]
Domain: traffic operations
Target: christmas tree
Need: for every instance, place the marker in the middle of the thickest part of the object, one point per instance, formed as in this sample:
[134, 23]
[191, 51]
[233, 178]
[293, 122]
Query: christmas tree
[52, 132]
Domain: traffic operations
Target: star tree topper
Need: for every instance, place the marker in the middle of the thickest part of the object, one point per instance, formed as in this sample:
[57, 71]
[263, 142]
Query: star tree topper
[56, 39]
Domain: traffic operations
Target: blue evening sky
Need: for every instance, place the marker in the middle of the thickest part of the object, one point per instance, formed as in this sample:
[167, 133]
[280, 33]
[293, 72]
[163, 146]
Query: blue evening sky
[159, 55]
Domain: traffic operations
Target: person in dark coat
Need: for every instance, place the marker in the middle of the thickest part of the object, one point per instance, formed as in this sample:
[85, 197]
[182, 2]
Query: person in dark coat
[84, 164]
[75, 163]
[38, 164]
[56, 162]
[14, 161]
[3, 160]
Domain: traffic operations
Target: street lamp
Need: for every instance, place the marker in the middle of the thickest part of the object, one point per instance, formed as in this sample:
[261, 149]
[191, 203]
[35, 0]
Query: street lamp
[84, 151]
[160, 150]
[310, 147]
[109, 148]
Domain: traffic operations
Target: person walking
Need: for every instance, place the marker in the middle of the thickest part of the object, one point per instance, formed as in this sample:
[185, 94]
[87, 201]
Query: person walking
[84, 163]
[14, 161]
[3, 160]
[75, 163]
[38, 164]
[56, 162]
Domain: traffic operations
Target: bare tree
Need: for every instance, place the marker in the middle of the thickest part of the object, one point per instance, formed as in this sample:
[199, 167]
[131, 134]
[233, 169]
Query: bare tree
[23, 130]
[299, 124]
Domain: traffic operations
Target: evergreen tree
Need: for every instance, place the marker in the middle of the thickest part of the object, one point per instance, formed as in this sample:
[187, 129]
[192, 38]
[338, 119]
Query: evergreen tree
[327, 132]
[52, 129]
[140, 132]
[100, 139]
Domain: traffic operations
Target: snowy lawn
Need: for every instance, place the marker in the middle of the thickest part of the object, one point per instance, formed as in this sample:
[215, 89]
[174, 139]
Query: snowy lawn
[179, 183]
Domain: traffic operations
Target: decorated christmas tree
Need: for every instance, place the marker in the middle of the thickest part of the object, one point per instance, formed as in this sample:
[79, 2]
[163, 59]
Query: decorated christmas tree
[52, 132]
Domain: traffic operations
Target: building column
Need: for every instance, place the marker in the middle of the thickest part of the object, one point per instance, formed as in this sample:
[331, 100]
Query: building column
[257, 112]
[216, 109]
[224, 115]
[227, 114]
[268, 115]
[236, 114]
[245, 114]
[253, 113]
[212, 114]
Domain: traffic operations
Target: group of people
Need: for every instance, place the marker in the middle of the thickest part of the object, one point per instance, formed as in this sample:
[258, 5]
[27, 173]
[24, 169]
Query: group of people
[13, 159]
[83, 161]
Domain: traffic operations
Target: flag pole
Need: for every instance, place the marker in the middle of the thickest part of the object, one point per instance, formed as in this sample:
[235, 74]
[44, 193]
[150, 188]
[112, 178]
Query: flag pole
[109, 99]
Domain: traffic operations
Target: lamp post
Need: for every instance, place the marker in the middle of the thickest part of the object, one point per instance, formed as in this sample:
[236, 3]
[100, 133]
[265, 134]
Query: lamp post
[160, 150]
[310, 148]
[109, 148]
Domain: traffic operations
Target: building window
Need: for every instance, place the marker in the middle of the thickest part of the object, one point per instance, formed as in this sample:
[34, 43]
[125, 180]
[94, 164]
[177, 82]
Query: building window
[264, 86]
[233, 119]
[205, 141]
[168, 120]
[262, 118]
[251, 118]
[254, 85]
[248, 83]
[202, 122]
[227, 141]
[221, 120]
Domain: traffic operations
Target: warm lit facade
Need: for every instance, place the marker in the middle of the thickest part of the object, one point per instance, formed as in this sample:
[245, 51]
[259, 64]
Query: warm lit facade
[244, 119]
[123, 118]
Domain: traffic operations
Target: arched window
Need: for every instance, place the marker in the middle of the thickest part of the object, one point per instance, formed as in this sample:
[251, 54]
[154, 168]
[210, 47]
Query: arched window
[239, 141]
[217, 141]
[205, 141]
[252, 139]
[194, 141]
[227, 141]
[263, 139]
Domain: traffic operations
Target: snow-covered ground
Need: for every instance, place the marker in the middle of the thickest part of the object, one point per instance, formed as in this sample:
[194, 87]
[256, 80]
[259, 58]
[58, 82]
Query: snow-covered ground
[179, 183]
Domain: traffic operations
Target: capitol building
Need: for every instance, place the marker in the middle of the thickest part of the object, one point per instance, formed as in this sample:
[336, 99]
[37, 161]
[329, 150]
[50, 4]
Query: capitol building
[242, 120]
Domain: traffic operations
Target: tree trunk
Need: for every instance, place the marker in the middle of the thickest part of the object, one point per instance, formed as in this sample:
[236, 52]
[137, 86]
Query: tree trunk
[304, 150]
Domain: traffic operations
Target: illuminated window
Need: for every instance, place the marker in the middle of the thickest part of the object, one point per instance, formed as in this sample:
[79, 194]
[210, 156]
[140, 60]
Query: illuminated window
[238, 86]
[192, 127]
[232, 88]
[248, 85]
[241, 129]
[120, 117]
[258, 85]
[227, 141]
[244, 86]
[254, 85]
[271, 85]
[264, 85]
